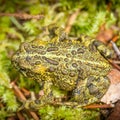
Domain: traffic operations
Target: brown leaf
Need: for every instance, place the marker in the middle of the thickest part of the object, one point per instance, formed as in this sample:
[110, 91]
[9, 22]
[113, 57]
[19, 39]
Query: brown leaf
[114, 76]
[105, 35]
[113, 94]
[71, 20]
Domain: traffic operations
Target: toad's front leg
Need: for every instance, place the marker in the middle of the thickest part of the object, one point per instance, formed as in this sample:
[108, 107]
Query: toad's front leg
[51, 96]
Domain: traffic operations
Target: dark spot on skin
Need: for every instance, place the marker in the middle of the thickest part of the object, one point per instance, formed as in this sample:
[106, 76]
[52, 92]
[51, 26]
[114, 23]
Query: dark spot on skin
[59, 59]
[37, 62]
[66, 59]
[77, 91]
[28, 50]
[68, 55]
[40, 47]
[32, 63]
[96, 43]
[72, 74]
[37, 47]
[25, 45]
[73, 52]
[93, 89]
[36, 57]
[42, 52]
[74, 65]
[52, 49]
[79, 39]
[34, 46]
[67, 65]
[90, 80]
[51, 69]
[57, 53]
[80, 50]
[92, 48]
[28, 58]
[50, 60]
[29, 74]
[99, 95]
[43, 57]
[64, 72]
[80, 73]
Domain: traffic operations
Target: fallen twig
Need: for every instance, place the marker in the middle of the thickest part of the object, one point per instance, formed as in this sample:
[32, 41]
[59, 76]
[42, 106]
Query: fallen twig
[116, 49]
[116, 62]
[18, 92]
[22, 97]
[98, 106]
[115, 65]
[25, 91]
[20, 116]
[23, 16]
[71, 20]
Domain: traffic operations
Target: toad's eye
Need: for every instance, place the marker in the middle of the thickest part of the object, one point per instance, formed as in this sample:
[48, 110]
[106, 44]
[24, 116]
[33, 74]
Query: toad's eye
[22, 70]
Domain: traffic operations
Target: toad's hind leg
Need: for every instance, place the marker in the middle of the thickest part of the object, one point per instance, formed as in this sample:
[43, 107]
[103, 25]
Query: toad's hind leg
[94, 45]
[90, 90]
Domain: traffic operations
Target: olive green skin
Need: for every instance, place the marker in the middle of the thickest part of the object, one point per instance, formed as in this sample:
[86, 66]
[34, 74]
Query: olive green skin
[70, 64]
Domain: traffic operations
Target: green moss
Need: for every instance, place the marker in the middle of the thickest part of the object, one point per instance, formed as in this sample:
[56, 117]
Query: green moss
[63, 113]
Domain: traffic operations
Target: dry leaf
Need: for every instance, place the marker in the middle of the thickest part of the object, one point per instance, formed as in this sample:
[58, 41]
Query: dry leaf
[105, 35]
[113, 93]
[114, 76]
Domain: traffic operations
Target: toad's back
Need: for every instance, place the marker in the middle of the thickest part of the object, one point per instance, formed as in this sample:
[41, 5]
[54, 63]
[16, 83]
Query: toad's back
[70, 59]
